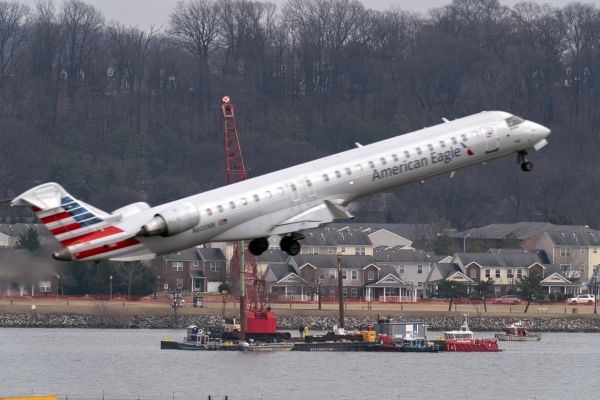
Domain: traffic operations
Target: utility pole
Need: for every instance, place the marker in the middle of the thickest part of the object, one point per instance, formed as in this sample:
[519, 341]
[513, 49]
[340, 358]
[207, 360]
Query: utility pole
[341, 290]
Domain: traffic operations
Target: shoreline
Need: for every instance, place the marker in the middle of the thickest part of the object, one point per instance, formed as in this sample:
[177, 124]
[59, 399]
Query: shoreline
[121, 314]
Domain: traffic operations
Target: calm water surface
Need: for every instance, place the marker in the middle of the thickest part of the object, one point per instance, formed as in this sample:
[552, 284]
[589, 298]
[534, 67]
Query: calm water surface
[128, 364]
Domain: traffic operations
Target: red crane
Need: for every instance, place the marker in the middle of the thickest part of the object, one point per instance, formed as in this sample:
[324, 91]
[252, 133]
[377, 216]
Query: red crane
[257, 321]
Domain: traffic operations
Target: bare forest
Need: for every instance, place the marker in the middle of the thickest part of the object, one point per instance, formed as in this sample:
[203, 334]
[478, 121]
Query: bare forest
[117, 114]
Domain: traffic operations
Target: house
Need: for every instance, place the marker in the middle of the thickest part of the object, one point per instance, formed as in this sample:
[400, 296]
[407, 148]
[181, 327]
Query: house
[577, 254]
[527, 232]
[504, 268]
[198, 269]
[411, 265]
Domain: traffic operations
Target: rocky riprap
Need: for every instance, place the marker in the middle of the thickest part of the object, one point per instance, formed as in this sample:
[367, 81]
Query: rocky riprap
[289, 322]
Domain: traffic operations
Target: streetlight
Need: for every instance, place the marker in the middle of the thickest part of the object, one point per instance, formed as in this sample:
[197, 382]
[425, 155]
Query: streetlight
[157, 285]
[595, 290]
[465, 242]
[110, 297]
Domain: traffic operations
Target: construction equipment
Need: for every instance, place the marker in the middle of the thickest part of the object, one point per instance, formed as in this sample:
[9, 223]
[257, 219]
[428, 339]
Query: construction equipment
[257, 322]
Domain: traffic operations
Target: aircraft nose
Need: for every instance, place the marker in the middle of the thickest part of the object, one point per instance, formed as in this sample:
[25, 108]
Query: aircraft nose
[542, 130]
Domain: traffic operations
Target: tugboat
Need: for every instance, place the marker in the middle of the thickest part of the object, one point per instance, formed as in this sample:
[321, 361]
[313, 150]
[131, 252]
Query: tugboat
[517, 332]
[463, 340]
[197, 339]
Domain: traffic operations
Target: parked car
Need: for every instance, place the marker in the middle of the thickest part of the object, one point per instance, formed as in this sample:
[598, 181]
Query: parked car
[509, 299]
[581, 299]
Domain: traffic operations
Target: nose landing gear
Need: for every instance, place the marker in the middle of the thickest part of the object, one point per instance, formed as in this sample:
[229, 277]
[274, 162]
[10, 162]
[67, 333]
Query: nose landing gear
[525, 164]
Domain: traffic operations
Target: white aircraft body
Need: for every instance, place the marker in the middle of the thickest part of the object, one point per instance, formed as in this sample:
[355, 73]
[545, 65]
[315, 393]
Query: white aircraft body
[284, 202]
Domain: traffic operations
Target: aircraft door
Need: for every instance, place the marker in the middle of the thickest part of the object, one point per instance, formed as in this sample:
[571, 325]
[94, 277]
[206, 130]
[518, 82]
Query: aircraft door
[294, 191]
[492, 142]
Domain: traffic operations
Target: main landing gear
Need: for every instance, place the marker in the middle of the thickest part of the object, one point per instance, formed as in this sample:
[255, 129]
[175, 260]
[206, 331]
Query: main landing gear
[525, 164]
[289, 244]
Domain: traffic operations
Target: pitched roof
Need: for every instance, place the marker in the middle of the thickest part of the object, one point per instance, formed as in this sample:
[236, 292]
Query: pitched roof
[184, 255]
[575, 238]
[397, 254]
[331, 237]
[540, 253]
[331, 262]
[515, 260]
[407, 231]
[523, 230]
[277, 272]
[210, 254]
[272, 256]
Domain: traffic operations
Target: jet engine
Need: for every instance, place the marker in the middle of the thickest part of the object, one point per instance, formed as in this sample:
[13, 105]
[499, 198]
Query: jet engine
[171, 221]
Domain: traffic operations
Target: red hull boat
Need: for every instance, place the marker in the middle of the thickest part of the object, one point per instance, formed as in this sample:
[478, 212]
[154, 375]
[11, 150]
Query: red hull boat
[463, 340]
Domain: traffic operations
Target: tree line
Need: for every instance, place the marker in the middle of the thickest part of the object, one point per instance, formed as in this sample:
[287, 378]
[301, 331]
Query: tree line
[119, 114]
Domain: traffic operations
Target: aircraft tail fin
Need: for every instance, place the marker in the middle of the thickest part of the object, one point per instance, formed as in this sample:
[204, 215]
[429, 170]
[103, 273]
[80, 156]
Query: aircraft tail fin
[65, 217]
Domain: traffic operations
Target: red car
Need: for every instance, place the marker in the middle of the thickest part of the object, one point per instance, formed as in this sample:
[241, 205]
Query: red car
[514, 300]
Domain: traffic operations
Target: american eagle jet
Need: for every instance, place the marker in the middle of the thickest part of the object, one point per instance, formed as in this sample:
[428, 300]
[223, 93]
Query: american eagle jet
[285, 202]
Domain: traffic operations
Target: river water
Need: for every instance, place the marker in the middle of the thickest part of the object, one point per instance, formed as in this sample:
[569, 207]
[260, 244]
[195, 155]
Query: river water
[129, 364]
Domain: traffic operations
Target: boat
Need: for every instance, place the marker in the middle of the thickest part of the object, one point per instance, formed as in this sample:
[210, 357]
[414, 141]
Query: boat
[463, 340]
[517, 332]
[197, 339]
[251, 345]
[412, 344]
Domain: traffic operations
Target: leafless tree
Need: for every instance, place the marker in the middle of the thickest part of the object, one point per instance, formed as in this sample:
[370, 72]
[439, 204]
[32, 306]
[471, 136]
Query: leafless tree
[14, 25]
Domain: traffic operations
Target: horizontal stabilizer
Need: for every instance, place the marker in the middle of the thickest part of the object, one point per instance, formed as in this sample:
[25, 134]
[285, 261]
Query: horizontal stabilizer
[313, 218]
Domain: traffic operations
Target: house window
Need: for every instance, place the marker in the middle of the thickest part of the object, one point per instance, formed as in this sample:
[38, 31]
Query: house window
[519, 273]
[342, 250]
[473, 273]
[595, 250]
[332, 274]
[354, 275]
[215, 267]
[195, 263]
[313, 250]
[330, 250]
[401, 269]
[582, 250]
[565, 251]
[177, 265]
[497, 273]
[344, 275]
[582, 268]
[371, 275]
[321, 276]
[45, 287]
[420, 269]
[359, 251]
[509, 273]
[497, 291]
[179, 283]
[353, 292]
[345, 291]
[488, 273]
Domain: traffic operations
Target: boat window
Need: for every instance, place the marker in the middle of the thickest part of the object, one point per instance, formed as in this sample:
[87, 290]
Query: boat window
[513, 121]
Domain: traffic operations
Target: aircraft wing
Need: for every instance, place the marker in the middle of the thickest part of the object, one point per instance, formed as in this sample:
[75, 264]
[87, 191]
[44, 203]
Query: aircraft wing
[312, 218]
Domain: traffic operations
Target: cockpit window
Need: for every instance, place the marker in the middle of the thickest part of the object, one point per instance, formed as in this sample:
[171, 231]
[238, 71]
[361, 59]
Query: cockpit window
[513, 121]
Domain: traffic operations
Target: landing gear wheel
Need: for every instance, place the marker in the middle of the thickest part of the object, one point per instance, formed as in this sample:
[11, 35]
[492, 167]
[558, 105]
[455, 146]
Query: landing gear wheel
[527, 166]
[258, 246]
[290, 245]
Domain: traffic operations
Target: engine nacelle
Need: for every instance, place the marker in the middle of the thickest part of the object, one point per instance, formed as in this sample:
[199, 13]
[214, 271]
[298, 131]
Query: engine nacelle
[172, 221]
